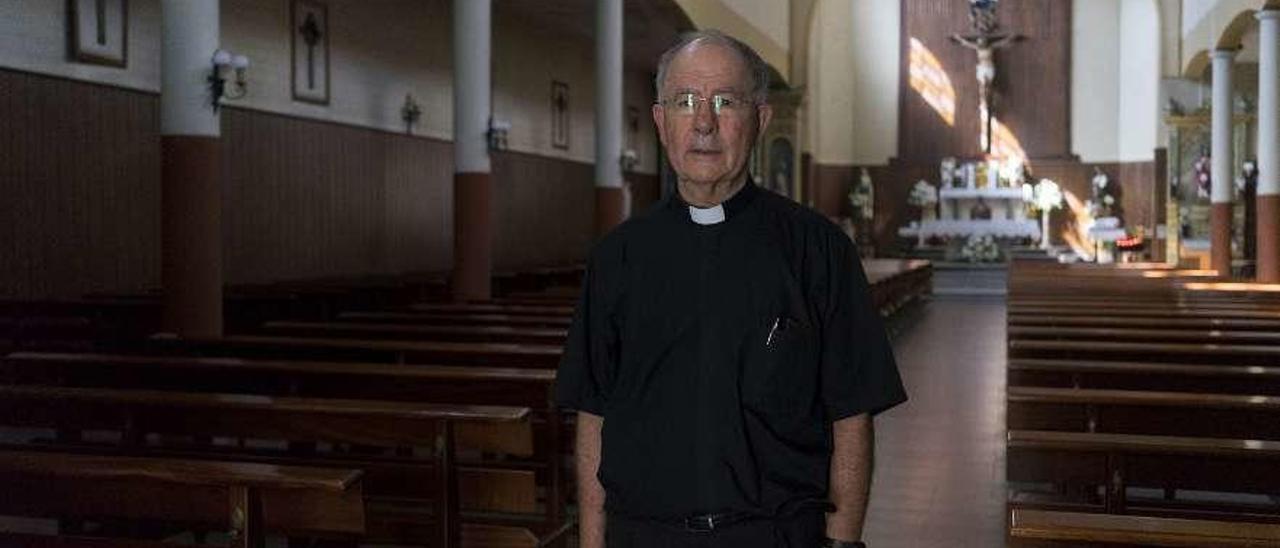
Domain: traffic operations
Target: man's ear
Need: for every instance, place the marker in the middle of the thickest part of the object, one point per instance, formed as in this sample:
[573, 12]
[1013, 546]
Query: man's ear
[659, 122]
[764, 113]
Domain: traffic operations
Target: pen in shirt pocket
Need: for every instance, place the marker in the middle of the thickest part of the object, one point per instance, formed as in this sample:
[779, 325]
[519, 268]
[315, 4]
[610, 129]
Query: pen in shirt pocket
[779, 323]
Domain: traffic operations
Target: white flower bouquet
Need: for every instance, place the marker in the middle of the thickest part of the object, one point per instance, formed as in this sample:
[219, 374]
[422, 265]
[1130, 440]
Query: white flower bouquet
[1047, 195]
[923, 194]
[980, 249]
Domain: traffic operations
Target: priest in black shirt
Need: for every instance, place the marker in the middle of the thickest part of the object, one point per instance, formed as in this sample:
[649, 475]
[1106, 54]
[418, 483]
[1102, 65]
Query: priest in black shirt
[725, 358]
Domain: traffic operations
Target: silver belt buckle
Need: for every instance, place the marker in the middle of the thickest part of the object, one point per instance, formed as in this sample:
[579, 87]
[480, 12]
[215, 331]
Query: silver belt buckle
[700, 524]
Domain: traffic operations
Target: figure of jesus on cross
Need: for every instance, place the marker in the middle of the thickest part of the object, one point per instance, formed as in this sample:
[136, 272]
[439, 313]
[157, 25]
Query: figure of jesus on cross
[984, 41]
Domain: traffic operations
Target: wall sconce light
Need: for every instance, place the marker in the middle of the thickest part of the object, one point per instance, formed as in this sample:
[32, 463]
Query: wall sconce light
[410, 113]
[223, 60]
[498, 130]
[629, 159]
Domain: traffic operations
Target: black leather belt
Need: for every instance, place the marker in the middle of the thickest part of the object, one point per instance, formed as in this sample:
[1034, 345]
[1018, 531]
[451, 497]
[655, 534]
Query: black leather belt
[707, 523]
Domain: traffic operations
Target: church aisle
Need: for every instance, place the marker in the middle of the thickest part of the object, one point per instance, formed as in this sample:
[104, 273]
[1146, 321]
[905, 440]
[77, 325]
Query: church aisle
[939, 478]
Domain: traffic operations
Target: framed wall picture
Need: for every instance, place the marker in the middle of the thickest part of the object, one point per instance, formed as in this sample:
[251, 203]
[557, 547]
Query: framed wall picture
[98, 32]
[559, 115]
[310, 68]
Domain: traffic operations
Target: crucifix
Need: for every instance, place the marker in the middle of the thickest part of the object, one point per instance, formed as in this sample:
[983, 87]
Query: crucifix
[311, 35]
[984, 40]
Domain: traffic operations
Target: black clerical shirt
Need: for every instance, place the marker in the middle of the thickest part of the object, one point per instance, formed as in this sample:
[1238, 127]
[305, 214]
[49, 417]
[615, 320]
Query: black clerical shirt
[719, 355]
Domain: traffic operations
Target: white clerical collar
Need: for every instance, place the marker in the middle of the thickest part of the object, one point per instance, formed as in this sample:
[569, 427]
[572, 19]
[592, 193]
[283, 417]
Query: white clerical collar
[707, 215]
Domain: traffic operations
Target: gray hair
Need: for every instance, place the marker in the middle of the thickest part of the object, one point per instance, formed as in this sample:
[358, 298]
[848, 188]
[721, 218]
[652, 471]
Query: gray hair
[756, 67]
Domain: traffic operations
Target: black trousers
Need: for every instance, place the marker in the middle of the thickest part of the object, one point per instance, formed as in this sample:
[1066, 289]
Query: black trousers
[802, 531]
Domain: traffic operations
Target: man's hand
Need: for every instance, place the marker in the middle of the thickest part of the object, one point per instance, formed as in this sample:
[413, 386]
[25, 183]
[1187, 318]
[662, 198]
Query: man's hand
[591, 518]
[850, 480]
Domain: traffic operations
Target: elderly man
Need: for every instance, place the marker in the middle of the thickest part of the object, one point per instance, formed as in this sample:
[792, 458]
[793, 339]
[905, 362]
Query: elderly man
[725, 358]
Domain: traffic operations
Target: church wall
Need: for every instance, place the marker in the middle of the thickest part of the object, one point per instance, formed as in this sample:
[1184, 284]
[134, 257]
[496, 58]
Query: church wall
[1033, 81]
[1095, 74]
[831, 84]
[1203, 23]
[875, 36]
[310, 190]
[852, 93]
[770, 16]
[1139, 81]
[33, 38]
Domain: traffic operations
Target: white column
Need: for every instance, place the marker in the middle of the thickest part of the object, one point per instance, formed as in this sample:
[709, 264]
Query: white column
[1221, 136]
[1220, 196]
[189, 37]
[608, 93]
[1267, 211]
[1269, 103]
[471, 88]
[190, 171]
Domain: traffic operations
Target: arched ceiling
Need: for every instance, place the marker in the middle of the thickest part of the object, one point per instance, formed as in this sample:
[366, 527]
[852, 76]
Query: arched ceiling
[649, 26]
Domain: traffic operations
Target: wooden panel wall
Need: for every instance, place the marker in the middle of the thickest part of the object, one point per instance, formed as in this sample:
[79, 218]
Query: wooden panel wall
[79, 211]
[1033, 81]
[545, 211]
[79, 188]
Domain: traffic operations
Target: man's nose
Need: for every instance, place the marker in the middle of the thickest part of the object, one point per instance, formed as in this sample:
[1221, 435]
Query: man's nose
[704, 117]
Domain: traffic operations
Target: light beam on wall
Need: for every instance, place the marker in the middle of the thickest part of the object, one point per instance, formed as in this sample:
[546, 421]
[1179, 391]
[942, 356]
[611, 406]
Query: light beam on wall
[931, 82]
[1006, 146]
[1076, 231]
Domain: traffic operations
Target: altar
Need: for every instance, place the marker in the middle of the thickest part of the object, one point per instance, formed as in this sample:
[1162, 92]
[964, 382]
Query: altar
[954, 219]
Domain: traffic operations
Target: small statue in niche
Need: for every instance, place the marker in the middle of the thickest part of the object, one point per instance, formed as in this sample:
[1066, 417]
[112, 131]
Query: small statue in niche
[980, 211]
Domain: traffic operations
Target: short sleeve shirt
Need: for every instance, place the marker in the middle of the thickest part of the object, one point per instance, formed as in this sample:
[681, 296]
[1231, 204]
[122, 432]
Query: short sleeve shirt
[719, 356]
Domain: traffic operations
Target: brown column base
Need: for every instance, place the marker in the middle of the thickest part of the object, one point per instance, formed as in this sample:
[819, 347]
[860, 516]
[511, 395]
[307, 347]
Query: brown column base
[610, 209]
[472, 236]
[191, 235]
[1269, 239]
[1220, 239]
[829, 192]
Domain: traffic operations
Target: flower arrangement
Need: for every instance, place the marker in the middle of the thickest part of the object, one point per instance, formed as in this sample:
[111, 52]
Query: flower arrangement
[923, 194]
[1044, 196]
[1202, 167]
[980, 249]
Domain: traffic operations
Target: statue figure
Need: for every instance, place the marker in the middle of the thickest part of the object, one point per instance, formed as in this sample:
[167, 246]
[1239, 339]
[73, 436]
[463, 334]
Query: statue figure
[985, 46]
[984, 41]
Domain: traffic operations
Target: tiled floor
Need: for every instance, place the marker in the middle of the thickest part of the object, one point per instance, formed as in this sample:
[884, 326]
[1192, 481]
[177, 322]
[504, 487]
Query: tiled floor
[939, 478]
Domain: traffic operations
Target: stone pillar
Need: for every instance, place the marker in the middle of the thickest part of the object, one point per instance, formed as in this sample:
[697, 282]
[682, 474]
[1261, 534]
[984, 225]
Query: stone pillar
[472, 179]
[190, 171]
[1268, 201]
[1221, 169]
[610, 192]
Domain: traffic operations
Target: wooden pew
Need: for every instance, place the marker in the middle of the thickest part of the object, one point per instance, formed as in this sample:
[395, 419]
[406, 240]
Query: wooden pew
[425, 318]
[248, 499]
[1208, 336]
[1049, 529]
[1144, 412]
[408, 497]
[532, 388]
[437, 352]
[1089, 463]
[1129, 375]
[1239, 354]
[1148, 312]
[394, 331]
[1140, 322]
[493, 308]
[1124, 379]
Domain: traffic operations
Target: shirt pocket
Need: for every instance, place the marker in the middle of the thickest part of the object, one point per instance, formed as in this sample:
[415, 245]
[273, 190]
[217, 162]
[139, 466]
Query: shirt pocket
[779, 370]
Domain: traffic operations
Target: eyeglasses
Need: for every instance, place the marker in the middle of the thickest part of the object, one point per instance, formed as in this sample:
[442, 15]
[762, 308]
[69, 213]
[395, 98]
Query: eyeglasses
[686, 104]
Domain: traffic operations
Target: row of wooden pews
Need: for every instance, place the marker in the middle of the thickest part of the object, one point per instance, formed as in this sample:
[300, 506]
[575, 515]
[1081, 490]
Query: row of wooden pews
[476, 466]
[1143, 408]
[438, 416]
